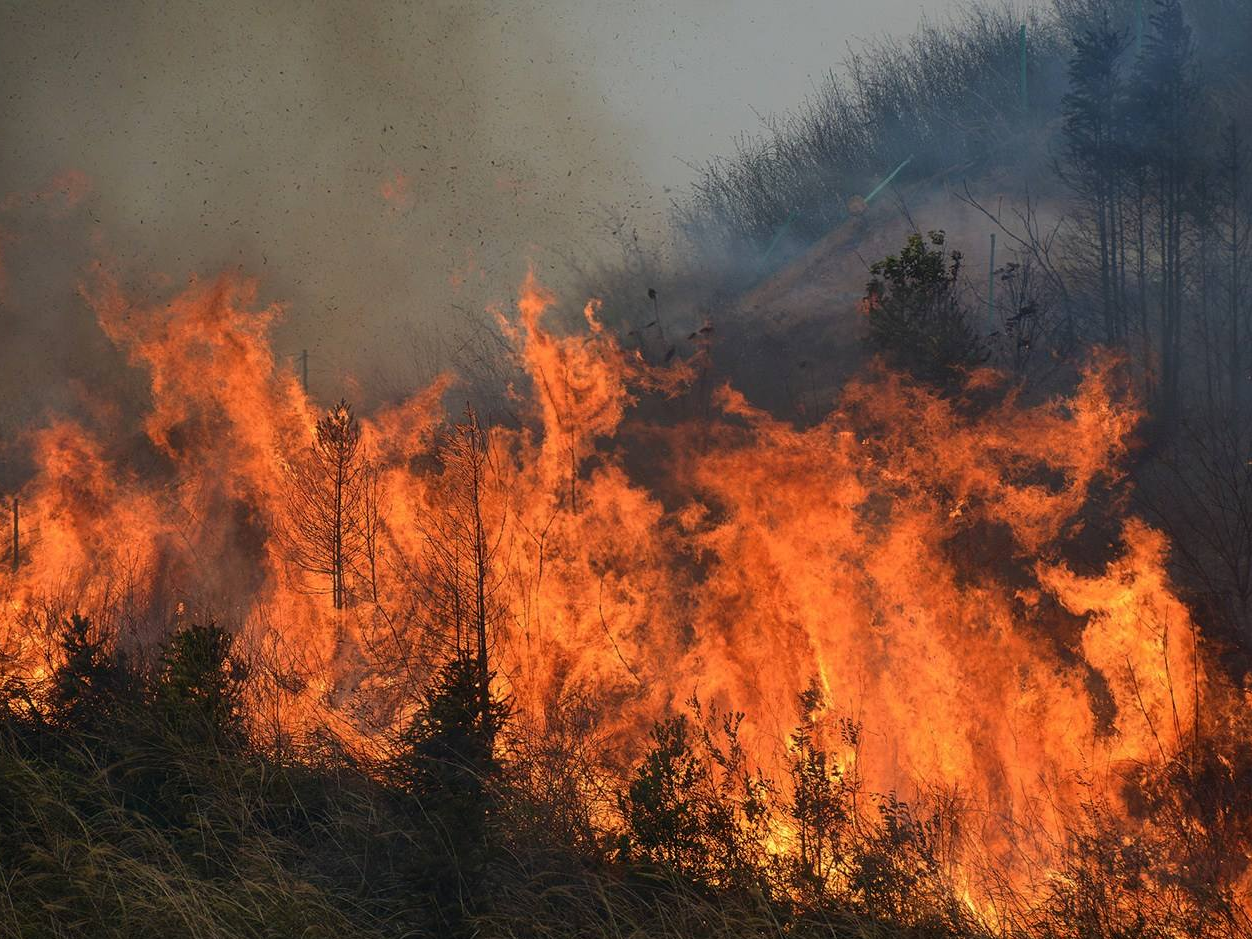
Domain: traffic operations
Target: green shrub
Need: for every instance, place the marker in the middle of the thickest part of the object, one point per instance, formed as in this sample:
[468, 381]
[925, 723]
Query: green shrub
[916, 312]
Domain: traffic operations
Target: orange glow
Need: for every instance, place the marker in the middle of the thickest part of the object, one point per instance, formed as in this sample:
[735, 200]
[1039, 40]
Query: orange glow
[914, 554]
[397, 190]
[59, 195]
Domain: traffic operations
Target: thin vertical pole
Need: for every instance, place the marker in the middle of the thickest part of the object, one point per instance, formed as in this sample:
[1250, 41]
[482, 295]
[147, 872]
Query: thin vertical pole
[991, 286]
[304, 370]
[16, 556]
[1024, 96]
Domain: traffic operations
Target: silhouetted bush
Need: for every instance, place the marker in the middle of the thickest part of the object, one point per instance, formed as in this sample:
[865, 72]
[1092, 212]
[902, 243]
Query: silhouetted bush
[199, 688]
[695, 806]
[447, 765]
[917, 315]
[93, 683]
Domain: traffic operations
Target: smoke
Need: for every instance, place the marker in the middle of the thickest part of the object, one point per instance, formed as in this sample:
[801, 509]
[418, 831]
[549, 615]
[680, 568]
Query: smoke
[384, 169]
[387, 170]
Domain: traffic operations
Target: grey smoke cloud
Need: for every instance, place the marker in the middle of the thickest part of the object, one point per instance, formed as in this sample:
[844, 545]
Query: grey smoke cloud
[387, 169]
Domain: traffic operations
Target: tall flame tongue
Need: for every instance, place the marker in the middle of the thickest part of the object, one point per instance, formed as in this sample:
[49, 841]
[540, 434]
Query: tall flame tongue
[917, 556]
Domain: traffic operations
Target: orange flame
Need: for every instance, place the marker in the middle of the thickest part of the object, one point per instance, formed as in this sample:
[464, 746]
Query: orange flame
[917, 555]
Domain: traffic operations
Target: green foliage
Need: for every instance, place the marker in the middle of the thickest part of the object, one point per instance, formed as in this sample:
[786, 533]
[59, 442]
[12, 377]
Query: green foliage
[822, 804]
[199, 688]
[93, 681]
[695, 806]
[917, 318]
[447, 765]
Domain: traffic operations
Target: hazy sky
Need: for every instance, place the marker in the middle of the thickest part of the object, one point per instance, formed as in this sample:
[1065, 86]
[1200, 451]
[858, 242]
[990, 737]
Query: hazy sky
[382, 166]
[688, 77]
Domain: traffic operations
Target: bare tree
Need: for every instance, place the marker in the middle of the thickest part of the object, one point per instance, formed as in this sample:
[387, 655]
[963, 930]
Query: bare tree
[456, 584]
[1236, 243]
[1164, 109]
[1093, 148]
[332, 518]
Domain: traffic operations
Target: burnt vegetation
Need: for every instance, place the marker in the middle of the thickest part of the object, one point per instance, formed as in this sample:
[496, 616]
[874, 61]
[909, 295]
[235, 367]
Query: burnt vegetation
[331, 522]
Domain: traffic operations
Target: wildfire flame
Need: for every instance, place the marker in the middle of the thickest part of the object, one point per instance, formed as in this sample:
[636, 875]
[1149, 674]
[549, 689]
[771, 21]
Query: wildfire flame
[926, 559]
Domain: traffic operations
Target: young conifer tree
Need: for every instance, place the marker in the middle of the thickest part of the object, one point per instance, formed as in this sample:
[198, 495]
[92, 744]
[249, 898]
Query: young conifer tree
[332, 520]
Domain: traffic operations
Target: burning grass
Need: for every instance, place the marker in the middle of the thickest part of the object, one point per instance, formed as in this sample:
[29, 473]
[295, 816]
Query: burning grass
[1013, 722]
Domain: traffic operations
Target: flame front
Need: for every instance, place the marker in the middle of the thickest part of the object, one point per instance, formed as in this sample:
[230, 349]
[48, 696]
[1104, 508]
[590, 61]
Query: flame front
[926, 560]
